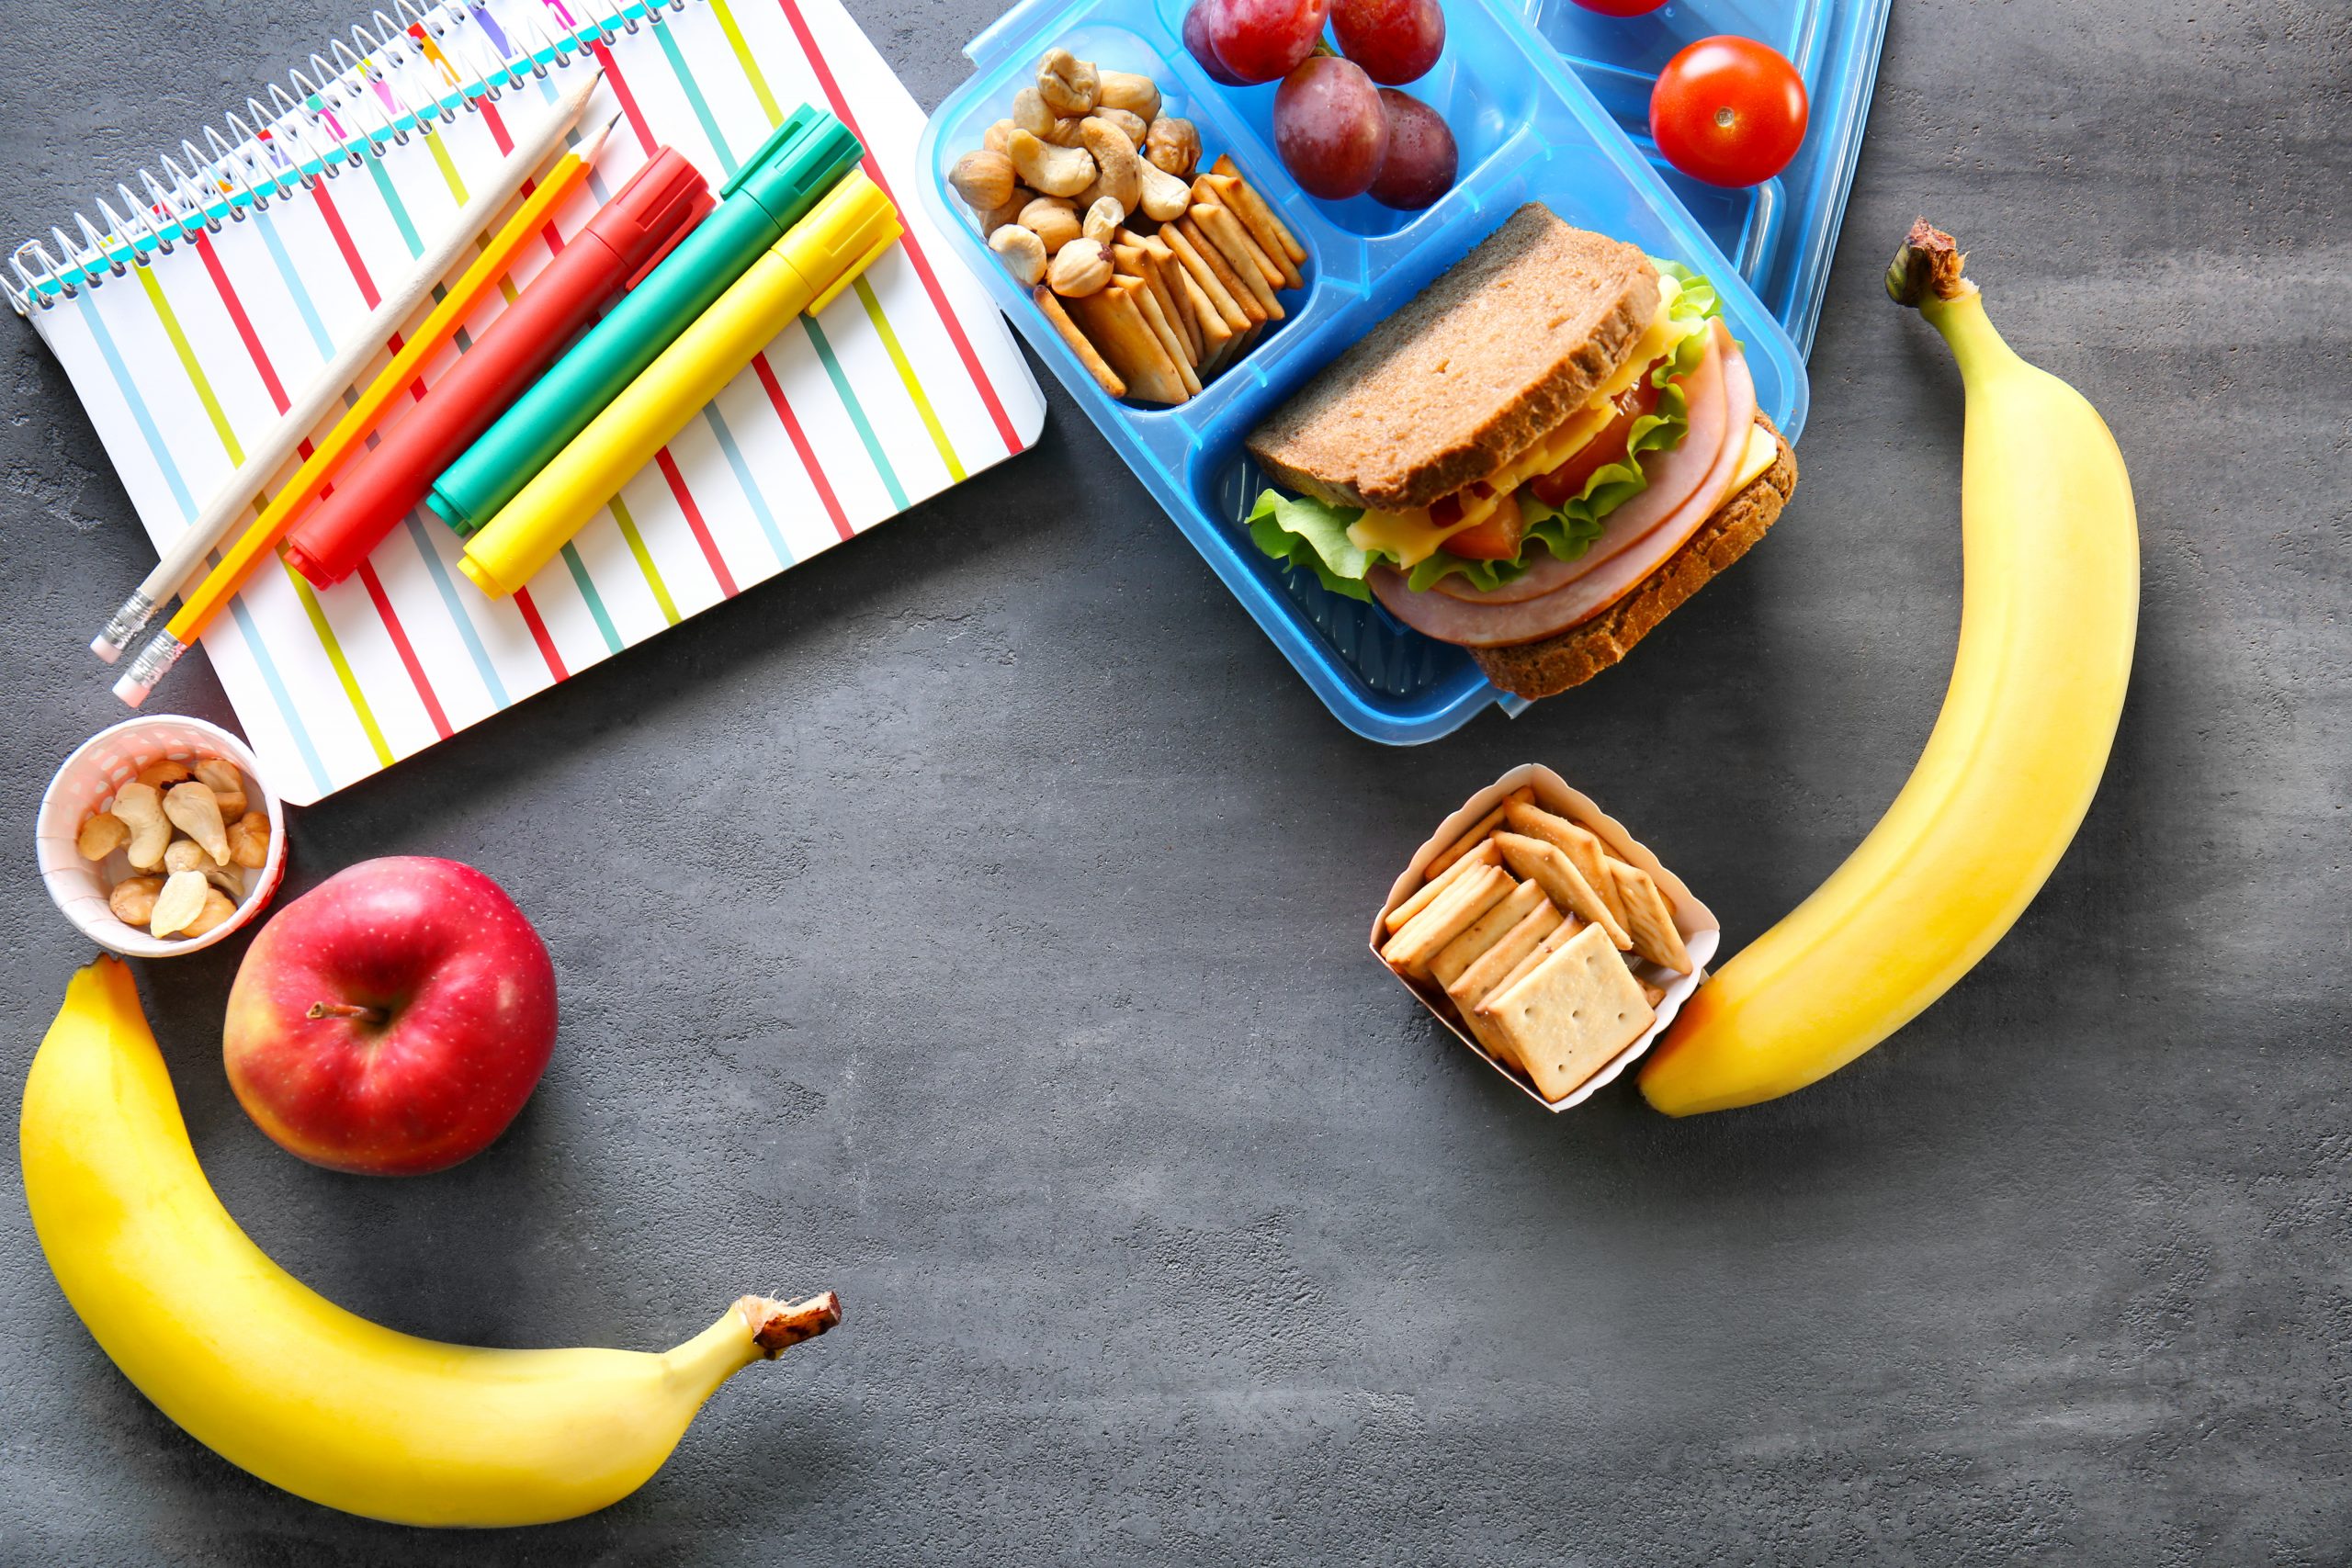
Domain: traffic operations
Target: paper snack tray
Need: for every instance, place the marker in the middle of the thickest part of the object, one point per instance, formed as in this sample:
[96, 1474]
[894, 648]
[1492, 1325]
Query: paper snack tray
[1701, 932]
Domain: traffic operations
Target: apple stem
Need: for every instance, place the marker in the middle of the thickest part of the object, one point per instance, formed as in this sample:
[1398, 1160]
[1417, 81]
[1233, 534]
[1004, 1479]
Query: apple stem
[347, 1009]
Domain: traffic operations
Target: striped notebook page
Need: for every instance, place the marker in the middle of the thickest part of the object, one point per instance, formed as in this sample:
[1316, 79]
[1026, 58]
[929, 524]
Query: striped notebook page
[905, 384]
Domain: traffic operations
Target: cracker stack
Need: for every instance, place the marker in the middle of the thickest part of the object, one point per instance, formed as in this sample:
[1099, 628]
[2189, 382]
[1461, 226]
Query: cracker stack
[1531, 930]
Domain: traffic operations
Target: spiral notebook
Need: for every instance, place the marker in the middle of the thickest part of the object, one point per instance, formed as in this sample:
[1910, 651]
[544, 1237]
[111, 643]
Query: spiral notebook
[188, 307]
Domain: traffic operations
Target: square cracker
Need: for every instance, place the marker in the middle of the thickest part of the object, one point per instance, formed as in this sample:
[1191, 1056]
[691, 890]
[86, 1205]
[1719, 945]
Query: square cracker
[1549, 864]
[1580, 844]
[1485, 932]
[1567, 927]
[1486, 854]
[1449, 915]
[1479, 831]
[1648, 918]
[1517, 946]
[1571, 1013]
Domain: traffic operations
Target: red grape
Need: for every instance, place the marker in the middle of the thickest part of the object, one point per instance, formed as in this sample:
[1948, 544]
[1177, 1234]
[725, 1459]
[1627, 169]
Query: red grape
[1258, 41]
[1394, 41]
[1329, 128]
[1203, 22]
[1622, 8]
[1419, 167]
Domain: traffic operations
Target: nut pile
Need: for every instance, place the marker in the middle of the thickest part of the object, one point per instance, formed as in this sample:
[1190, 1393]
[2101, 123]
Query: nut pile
[187, 835]
[1159, 277]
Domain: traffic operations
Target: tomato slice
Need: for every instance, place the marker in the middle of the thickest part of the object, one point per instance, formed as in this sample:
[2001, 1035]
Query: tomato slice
[1566, 482]
[1496, 538]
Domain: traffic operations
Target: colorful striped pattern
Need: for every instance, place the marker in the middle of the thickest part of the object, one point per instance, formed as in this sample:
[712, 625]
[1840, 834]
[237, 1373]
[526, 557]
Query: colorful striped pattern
[907, 384]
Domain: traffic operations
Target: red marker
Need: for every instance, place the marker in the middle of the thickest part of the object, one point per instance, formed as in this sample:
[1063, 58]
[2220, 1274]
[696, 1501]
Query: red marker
[629, 235]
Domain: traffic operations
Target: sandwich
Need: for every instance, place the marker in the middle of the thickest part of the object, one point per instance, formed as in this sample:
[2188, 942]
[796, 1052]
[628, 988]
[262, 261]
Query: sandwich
[1537, 458]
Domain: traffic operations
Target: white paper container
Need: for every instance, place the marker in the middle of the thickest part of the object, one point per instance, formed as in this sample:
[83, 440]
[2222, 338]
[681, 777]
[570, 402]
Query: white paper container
[87, 783]
[1701, 932]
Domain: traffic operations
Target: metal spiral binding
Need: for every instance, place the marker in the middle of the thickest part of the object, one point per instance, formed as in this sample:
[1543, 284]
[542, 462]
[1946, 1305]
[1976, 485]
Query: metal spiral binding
[270, 150]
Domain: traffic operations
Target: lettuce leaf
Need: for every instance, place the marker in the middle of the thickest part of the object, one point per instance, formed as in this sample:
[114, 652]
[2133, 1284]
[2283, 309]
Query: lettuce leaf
[1305, 533]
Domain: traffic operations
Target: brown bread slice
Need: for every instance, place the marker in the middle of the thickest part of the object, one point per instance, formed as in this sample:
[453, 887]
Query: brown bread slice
[1551, 665]
[1469, 373]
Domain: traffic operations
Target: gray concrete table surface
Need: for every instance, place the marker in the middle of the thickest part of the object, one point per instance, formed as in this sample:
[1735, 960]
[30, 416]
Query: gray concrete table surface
[972, 920]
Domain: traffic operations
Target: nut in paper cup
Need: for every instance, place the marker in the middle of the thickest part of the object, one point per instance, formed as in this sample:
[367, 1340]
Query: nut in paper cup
[1701, 932]
[86, 783]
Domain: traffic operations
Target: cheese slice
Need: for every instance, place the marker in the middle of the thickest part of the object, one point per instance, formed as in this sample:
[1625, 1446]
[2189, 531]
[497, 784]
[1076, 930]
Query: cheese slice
[1761, 450]
[1412, 537]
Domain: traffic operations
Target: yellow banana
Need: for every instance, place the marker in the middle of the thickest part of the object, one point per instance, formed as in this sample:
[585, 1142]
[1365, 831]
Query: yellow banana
[276, 1377]
[2050, 552]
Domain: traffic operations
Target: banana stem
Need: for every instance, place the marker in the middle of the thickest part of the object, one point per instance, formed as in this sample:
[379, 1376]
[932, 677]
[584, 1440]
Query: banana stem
[776, 1327]
[1926, 275]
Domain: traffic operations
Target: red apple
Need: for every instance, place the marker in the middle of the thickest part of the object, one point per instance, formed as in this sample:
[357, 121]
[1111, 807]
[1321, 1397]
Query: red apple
[391, 1021]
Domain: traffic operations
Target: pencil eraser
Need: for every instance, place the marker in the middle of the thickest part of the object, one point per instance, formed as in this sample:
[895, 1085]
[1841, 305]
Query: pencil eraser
[106, 648]
[131, 689]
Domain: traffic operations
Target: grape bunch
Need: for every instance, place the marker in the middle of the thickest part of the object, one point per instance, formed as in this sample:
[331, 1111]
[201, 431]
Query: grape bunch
[1340, 124]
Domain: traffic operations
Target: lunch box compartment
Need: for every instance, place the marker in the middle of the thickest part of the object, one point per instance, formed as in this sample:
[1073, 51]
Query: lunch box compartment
[1529, 131]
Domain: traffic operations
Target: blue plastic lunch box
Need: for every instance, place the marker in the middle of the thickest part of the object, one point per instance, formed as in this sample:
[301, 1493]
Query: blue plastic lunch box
[1529, 131]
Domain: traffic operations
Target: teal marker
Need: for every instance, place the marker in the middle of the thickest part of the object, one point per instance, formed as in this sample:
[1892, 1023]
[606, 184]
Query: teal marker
[800, 161]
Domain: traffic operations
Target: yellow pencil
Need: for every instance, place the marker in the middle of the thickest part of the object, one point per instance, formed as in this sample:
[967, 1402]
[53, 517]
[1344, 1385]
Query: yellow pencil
[261, 538]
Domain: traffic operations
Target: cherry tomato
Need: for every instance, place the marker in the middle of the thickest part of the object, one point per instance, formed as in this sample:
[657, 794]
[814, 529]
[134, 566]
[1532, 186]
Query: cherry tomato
[1729, 111]
[1622, 8]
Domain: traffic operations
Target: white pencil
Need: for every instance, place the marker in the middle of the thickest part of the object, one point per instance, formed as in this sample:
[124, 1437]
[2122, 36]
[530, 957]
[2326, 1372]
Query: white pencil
[226, 512]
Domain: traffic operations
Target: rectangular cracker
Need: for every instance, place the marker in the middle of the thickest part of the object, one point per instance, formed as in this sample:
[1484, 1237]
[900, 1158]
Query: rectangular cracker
[1479, 831]
[1648, 918]
[1256, 213]
[1569, 1015]
[1184, 233]
[1490, 855]
[1115, 322]
[1049, 305]
[1581, 845]
[1517, 946]
[1216, 226]
[1170, 269]
[1449, 915]
[1215, 336]
[1148, 303]
[1216, 220]
[1485, 932]
[1230, 194]
[1147, 267]
[1563, 883]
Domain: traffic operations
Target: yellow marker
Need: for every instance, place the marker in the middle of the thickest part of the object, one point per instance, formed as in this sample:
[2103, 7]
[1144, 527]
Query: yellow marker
[817, 257]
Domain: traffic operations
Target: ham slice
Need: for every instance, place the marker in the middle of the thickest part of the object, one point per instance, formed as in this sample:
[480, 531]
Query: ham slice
[1502, 625]
[1674, 477]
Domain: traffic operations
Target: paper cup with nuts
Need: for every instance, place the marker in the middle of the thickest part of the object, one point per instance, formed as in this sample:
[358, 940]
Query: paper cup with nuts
[1545, 936]
[159, 837]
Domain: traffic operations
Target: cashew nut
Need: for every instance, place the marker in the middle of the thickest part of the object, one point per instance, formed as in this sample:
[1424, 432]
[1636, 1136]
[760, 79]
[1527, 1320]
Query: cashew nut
[101, 836]
[165, 771]
[992, 139]
[1030, 114]
[133, 899]
[141, 808]
[1118, 172]
[984, 179]
[997, 218]
[1068, 84]
[249, 841]
[1080, 268]
[1055, 171]
[1021, 252]
[187, 854]
[1065, 131]
[218, 907]
[1053, 219]
[1174, 144]
[227, 784]
[194, 812]
[1131, 126]
[180, 902]
[1138, 96]
[1102, 219]
[1164, 196]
